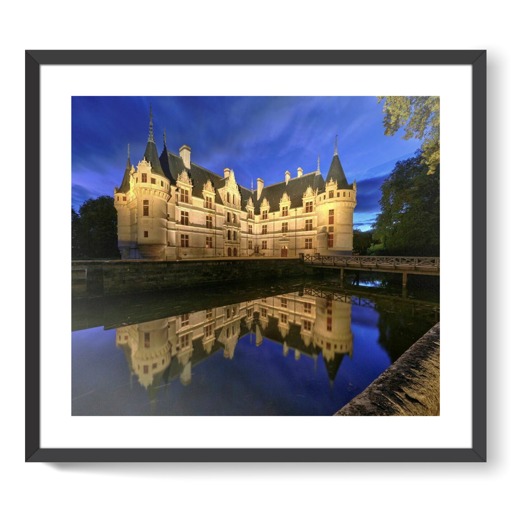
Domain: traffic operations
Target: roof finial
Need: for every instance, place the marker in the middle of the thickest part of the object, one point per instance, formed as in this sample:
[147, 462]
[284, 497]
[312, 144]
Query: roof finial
[165, 138]
[318, 163]
[128, 151]
[336, 145]
[151, 137]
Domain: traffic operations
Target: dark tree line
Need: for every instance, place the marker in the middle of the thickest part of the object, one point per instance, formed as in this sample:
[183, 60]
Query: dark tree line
[94, 229]
[408, 223]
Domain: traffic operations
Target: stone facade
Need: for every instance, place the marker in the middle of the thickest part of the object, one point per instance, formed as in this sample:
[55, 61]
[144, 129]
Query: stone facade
[171, 209]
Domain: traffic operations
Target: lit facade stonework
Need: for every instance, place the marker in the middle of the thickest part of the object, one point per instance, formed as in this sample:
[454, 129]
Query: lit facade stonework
[169, 208]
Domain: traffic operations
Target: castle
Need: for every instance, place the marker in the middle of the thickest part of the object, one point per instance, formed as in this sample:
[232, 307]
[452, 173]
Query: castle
[169, 208]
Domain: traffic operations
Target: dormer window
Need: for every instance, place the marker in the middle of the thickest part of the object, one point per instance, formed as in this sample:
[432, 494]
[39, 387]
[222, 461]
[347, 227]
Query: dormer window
[144, 178]
[264, 215]
[284, 211]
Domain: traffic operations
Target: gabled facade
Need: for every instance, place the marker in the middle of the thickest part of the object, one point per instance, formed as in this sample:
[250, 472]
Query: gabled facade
[170, 208]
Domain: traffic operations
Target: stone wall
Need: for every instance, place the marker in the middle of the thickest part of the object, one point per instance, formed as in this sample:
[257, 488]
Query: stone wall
[409, 387]
[110, 278]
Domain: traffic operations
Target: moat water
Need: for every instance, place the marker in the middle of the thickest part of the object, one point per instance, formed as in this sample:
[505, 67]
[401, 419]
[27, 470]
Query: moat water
[290, 348]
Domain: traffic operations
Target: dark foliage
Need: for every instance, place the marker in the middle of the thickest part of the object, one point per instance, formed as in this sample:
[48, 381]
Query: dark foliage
[94, 230]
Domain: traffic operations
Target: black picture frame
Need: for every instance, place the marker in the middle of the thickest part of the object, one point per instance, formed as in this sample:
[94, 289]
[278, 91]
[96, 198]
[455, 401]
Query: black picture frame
[35, 59]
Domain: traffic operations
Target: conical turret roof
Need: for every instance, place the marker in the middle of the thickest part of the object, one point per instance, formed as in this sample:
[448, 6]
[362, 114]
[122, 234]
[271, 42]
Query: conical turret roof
[336, 172]
[151, 153]
[125, 184]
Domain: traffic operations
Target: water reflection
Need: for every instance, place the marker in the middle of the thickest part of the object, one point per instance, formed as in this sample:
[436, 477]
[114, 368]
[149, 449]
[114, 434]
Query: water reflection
[307, 325]
[305, 352]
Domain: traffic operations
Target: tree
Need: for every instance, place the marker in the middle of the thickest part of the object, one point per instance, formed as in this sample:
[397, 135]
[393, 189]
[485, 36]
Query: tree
[97, 229]
[409, 220]
[362, 241]
[419, 116]
[75, 235]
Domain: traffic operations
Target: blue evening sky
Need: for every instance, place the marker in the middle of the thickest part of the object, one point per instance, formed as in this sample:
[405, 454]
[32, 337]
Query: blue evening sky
[258, 137]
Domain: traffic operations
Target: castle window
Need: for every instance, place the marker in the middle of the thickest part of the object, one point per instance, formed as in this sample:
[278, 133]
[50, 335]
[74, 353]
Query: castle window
[183, 195]
[185, 319]
[308, 243]
[153, 366]
[343, 194]
[329, 323]
[331, 216]
[209, 242]
[228, 216]
[209, 313]
[330, 240]
[234, 236]
[184, 240]
[249, 229]
[284, 227]
[264, 215]
[307, 308]
[284, 318]
[161, 183]
[234, 218]
[124, 198]
[250, 214]
[208, 203]
[183, 341]
[250, 245]
[229, 237]
[307, 325]
[208, 330]
[308, 225]
[146, 234]
[263, 312]
[284, 303]
[144, 178]
[235, 252]
[229, 251]
[184, 218]
[331, 194]
[147, 341]
[153, 181]
[264, 244]
[264, 229]
[229, 197]
[209, 221]
[284, 211]
[146, 368]
[145, 208]
[349, 194]
[309, 206]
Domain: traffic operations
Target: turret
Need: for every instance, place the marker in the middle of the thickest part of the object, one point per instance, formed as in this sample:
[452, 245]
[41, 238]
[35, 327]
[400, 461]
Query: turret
[336, 210]
[122, 198]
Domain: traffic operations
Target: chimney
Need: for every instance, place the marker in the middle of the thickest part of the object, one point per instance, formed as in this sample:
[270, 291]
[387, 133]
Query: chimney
[226, 172]
[185, 155]
[287, 176]
[300, 172]
[260, 187]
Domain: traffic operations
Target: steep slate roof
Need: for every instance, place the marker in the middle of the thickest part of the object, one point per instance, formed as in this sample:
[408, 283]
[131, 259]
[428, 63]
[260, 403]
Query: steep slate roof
[151, 156]
[173, 166]
[336, 173]
[125, 184]
[295, 188]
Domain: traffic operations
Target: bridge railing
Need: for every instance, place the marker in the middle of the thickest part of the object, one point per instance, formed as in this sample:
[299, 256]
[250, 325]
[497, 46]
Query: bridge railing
[423, 263]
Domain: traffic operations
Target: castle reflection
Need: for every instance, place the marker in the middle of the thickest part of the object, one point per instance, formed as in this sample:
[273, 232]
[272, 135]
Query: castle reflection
[163, 350]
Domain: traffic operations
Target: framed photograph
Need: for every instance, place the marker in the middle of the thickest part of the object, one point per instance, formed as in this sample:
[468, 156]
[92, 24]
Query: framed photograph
[235, 256]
